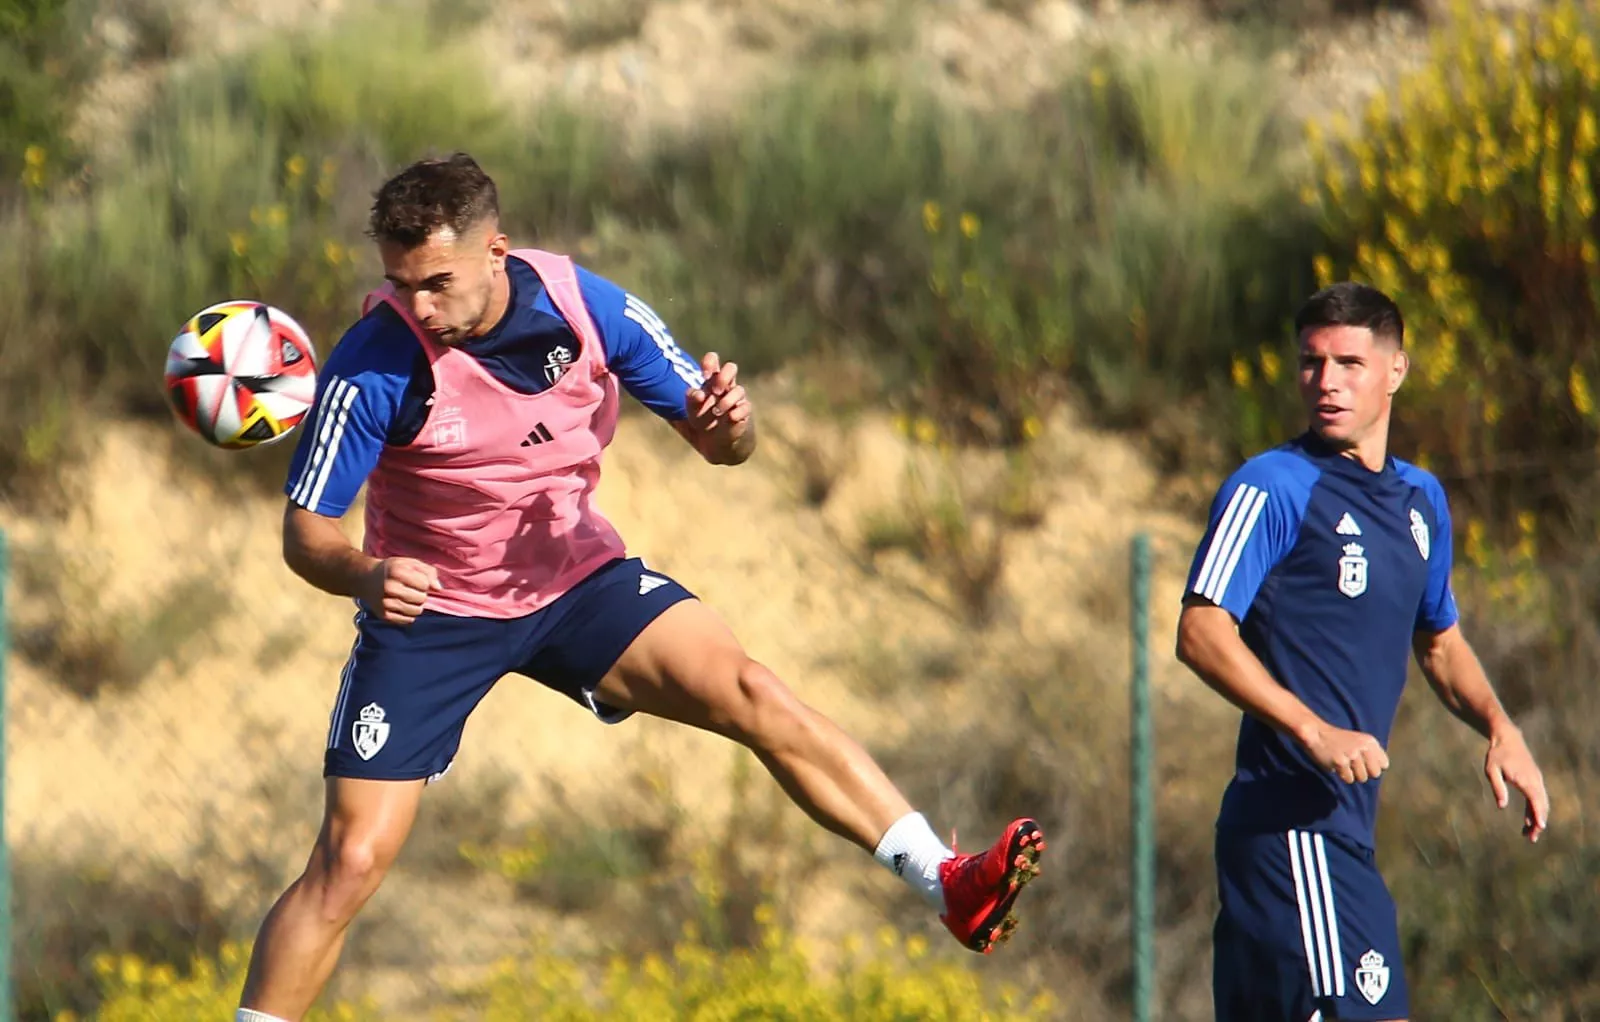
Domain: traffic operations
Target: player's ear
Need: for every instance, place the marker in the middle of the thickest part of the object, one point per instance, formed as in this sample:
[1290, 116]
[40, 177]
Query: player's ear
[498, 246]
[1398, 368]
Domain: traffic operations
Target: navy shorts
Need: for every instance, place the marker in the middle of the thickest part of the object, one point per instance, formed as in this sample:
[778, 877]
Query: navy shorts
[1306, 931]
[407, 690]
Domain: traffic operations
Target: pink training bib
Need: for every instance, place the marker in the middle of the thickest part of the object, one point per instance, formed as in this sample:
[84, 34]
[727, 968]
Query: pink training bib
[497, 490]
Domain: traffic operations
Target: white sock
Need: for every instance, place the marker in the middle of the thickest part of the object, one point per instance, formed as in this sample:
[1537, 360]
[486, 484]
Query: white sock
[911, 851]
[250, 1015]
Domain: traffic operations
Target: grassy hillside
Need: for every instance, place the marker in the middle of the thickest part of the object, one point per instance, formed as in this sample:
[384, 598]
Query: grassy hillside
[999, 314]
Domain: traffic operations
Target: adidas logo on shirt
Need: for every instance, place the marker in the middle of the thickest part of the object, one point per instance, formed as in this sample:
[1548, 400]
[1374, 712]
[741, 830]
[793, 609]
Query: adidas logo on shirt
[1347, 526]
[650, 583]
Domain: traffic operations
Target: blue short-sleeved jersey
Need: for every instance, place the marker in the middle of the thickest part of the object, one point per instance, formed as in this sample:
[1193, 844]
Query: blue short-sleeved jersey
[1330, 569]
[376, 387]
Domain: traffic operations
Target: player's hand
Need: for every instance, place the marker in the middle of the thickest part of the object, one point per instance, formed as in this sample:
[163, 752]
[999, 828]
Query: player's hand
[1509, 764]
[398, 587]
[1355, 756]
[719, 409]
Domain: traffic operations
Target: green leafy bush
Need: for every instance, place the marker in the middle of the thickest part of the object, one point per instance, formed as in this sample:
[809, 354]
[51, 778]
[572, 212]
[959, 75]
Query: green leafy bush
[777, 980]
[1468, 193]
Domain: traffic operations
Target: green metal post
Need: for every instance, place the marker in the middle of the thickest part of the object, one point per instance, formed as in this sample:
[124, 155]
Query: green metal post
[1143, 866]
[7, 1004]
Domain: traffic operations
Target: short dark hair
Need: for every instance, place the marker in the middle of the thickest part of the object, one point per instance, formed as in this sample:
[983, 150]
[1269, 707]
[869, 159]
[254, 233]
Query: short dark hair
[430, 194]
[1351, 304]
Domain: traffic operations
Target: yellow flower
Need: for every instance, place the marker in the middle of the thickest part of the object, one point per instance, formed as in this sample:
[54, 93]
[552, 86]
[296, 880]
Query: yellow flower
[1323, 266]
[925, 431]
[333, 252]
[1270, 365]
[932, 216]
[969, 225]
[33, 156]
[1578, 390]
[295, 166]
[1241, 373]
[1032, 427]
[238, 242]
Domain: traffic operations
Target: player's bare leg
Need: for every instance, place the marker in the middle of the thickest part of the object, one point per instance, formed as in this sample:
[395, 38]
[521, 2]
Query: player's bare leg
[687, 666]
[363, 828]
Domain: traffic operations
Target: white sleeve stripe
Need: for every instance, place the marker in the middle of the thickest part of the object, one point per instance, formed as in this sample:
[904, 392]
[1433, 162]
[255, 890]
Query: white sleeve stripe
[308, 471]
[333, 449]
[1222, 537]
[1221, 584]
[1218, 539]
[1332, 918]
[1297, 868]
[653, 325]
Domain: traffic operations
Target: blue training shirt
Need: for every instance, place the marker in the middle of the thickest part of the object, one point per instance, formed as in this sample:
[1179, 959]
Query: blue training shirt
[376, 386]
[1330, 569]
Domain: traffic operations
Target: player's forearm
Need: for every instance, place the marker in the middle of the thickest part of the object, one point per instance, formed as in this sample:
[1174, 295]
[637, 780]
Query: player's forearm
[316, 549]
[1459, 680]
[1213, 651]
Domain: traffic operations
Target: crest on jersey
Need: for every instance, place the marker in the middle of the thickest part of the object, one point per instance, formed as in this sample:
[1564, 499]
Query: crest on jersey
[370, 731]
[557, 363]
[1372, 978]
[449, 428]
[1419, 532]
[1353, 570]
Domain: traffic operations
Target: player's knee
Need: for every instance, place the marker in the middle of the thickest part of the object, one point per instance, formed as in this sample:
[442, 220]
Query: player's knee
[352, 868]
[767, 712]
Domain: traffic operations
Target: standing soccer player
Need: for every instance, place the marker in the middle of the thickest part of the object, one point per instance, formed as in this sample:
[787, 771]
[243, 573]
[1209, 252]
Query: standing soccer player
[1326, 560]
[474, 398]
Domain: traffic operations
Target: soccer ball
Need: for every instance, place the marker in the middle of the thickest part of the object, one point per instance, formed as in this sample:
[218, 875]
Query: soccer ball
[241, 374]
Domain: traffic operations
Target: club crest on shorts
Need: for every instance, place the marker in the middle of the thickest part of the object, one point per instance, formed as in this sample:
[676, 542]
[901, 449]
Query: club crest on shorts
[1353, 570]
[370, 731]
[1372, 978]
[1419, 532]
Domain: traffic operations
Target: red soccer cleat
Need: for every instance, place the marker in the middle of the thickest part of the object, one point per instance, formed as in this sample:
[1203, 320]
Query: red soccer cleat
[979, 890]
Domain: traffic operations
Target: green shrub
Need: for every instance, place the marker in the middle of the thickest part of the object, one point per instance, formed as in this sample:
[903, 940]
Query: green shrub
[777, 980]
[1467, 192]
[137, 991]
[1123, 234]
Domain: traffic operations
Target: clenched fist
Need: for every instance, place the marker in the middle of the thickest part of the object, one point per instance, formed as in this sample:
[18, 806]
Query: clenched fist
[1354, 755]
[396, 589]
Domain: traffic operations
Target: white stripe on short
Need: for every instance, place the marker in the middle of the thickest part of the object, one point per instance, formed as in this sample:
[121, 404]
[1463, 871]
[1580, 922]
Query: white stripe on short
[1319, 922]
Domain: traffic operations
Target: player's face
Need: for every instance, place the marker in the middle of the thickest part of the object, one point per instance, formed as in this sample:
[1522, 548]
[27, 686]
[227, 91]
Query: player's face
[449, 282]
[1347, 379]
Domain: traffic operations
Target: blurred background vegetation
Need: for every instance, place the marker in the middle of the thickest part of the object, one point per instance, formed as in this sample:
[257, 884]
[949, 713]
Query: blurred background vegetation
[1131, 241]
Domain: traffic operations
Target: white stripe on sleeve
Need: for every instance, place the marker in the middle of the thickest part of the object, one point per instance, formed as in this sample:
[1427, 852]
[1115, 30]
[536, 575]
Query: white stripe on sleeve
[653, 325]
[1228, 541]
[1238, 548]
[334, 412]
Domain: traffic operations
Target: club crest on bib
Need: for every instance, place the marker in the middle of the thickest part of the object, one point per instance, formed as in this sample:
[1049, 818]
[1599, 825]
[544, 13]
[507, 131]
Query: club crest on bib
[1419, 532]
[1353, 570]
[370, 731]
[557, 363]
[1372, 977]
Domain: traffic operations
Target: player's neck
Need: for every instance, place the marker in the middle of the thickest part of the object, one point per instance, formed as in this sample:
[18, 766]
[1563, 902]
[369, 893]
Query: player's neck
[1370, 452]
[499, 302]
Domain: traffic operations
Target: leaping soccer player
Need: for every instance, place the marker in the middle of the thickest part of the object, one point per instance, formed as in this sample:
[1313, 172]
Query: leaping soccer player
[474, 398]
